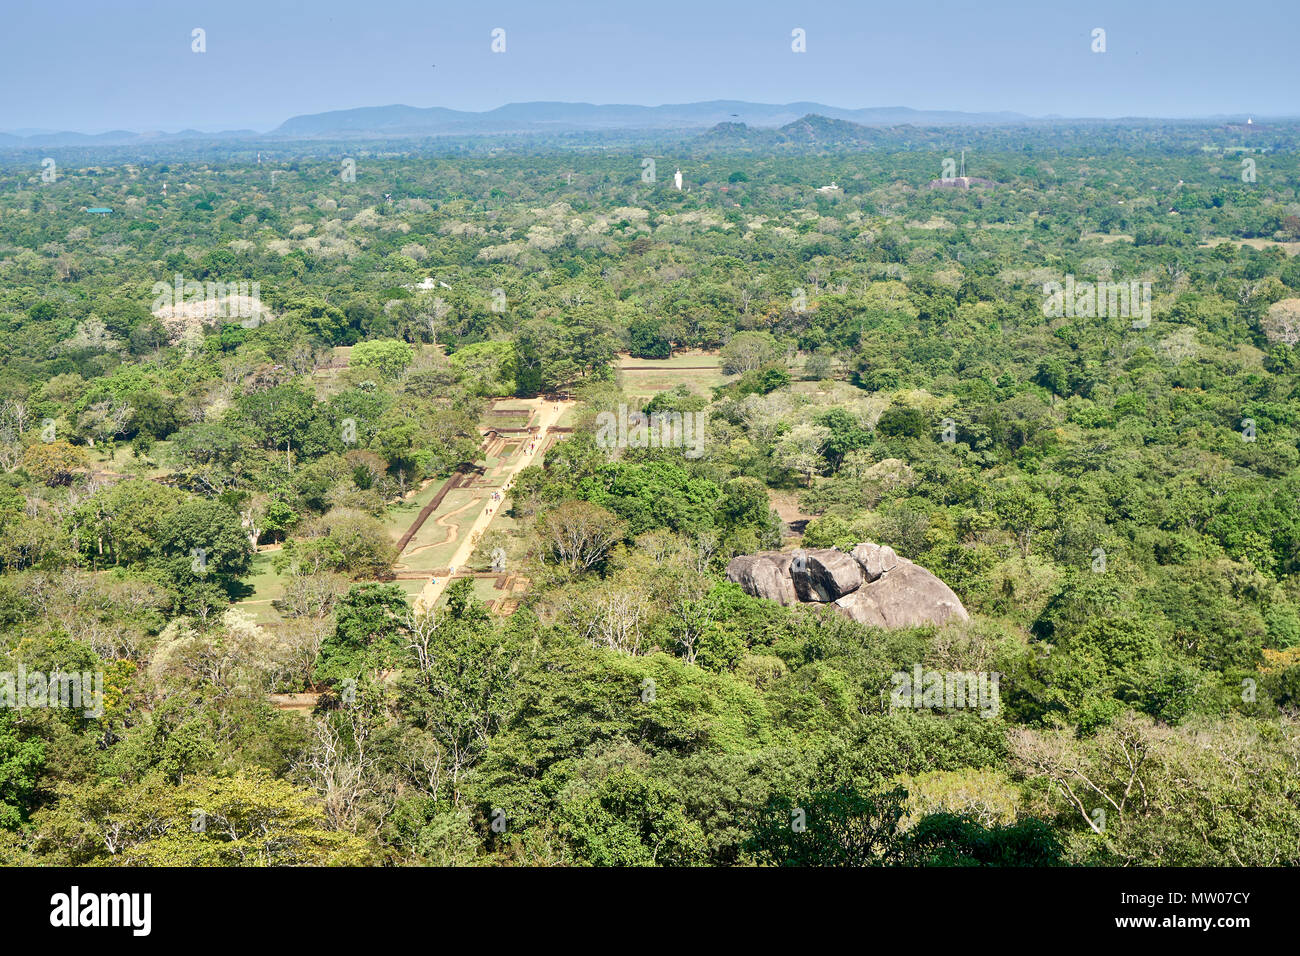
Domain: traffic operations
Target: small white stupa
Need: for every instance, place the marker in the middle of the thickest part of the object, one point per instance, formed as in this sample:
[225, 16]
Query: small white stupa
[677, 179]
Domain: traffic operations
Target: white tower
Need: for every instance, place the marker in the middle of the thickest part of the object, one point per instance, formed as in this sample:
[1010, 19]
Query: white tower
[677, 179]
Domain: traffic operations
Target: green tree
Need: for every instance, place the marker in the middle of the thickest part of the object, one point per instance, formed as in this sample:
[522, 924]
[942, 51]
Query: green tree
[831, 828]
[632, 820]
[387, 357]
[22, 759]
[646, 339]
[204, 540]
[370, 633]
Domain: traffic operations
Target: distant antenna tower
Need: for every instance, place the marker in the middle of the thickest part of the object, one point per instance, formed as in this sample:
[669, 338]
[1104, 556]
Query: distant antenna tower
[963, 164]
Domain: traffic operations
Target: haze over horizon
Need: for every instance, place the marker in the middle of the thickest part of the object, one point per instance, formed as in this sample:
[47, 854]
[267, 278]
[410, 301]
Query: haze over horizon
[266, 63]
[833, 107]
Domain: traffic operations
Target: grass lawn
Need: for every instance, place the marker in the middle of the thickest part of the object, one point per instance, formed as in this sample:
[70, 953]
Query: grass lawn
[411, 587]
[325, 381]
[434, 544]
[684, 358]
[698, 370]
[123, 461]
[1104, 237]
[267, 586]
[398, 517]
[509, 413]
[829, 391]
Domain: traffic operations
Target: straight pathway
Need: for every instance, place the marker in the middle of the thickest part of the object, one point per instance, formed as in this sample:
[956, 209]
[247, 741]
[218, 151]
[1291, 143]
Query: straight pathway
[549, 413]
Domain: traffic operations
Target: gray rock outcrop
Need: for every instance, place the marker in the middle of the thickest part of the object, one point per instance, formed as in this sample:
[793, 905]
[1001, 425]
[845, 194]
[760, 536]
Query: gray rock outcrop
[765, 574]
[906, 596]
[870, 584]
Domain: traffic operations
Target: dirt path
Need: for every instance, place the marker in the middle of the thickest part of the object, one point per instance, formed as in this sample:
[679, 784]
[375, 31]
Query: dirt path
[444, 522]
[549, 412]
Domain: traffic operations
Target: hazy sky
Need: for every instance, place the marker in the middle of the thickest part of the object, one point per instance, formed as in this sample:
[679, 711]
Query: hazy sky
[94, 65]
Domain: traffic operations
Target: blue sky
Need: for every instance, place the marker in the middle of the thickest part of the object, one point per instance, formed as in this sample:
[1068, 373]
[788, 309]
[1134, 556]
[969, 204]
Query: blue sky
[93, 65]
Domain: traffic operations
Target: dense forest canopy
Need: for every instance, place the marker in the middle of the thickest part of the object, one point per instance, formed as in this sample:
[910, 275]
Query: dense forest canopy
[238, 379]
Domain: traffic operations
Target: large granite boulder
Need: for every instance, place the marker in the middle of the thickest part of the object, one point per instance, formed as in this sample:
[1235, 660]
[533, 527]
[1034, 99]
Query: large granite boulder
[824, 574]
[765, 574]
[871, 584]
[906, 596]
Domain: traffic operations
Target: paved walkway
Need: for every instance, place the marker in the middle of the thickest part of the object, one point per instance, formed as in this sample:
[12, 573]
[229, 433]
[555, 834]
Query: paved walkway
[549, 413]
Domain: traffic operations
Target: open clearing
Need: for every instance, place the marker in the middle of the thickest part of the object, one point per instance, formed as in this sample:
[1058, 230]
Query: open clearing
[699, 370]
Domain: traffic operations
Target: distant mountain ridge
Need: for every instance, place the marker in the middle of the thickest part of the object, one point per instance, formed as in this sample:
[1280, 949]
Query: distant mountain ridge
[400, 120]
[715, 119]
